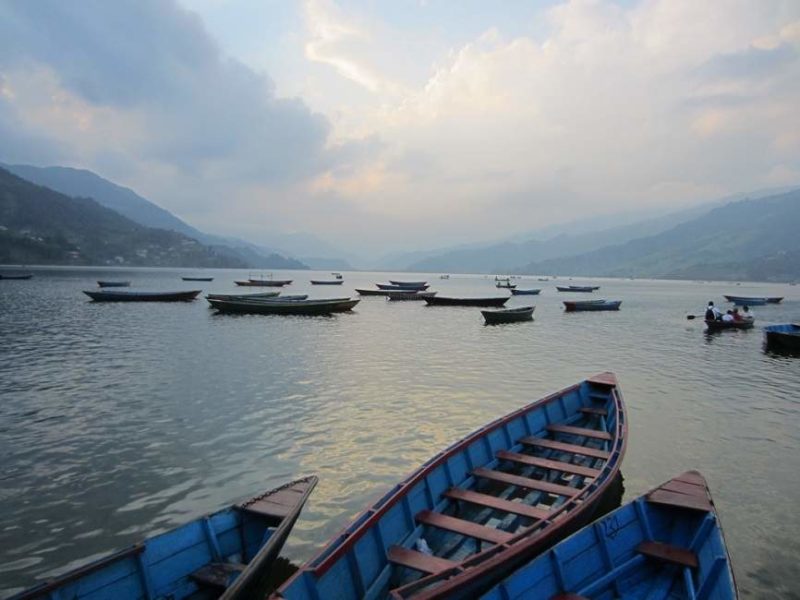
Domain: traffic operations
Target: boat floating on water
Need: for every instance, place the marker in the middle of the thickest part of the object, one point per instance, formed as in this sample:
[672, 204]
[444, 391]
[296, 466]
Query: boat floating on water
[665, 544]
[454, 301]
[197, 278]
[278, 306]
[256, 297]
[107, 283]
[223, 555]
[577, 288]
[412, 284]
[260, 282]
[411, 295]
[753, 300]
[505, 284]
[488, 504]
[364, 292]
[586, 305]
[18, 276]
[508, 315]
[719, 324]
[532, 292]
[326, 281]
[102, 296]
[405, 287]
[783, 337]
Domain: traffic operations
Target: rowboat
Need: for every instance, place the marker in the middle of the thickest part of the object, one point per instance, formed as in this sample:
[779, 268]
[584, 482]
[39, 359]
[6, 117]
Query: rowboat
[753, 300]
[414, 284]
[286, 307]
[577, 288]
[505, 284]
[444, 276]
[452, 301]
[718, 324]
[19, 276]
[327, 281]
[783, 337]
[484, 506]
[543, 279]
[508, 315]
[665, 544]
[395, 287]
[142, 296]
[518, 292]
[263, 282]
[582, 305]
[256, 297]
[364, 292]
[223, 555]
[197, 278]
[409, 295]
[107, 283]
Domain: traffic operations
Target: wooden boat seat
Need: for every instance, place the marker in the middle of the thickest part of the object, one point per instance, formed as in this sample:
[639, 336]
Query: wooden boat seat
[564, 447]
[276, 505]
[515, 508]
[526, 482]
[418, 561]
[546, 463]
[580, 431]
[463, 527]
[668, 553]
[592, 410]
[217, 575]
[681, 500]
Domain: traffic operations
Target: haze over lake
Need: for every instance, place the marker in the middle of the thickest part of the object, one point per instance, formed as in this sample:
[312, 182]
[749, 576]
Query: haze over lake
[120, 420]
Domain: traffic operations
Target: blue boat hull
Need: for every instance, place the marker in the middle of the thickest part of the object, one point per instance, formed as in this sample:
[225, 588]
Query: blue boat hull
[666, 544]
[224, 554]
[592, 305]
[519, 292]
[783, 337]
[475, 511]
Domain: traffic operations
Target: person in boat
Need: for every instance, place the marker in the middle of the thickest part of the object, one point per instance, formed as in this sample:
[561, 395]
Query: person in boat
[712, 312]
[736, 316]
[747, 314]
[728, 317]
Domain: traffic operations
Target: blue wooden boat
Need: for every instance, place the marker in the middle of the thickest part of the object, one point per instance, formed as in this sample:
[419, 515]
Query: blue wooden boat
[577, 288]
[190, 278]
[103, 296]
[508, 315]
[753, 300]
[223, 555]
[18, 276]
[519, 292]
[585, 305]
[783, 337]
[104, 283]
[481, 508]
[667, 544]
[365, 292]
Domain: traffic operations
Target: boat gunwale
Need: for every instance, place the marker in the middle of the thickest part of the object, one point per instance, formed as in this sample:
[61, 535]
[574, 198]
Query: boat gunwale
[321, 562]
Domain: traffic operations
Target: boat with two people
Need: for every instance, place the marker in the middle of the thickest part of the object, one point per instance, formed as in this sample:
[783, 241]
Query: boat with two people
[226, 554]
[785, 336]
[107, 283]
[577, 288]
[753, 300]
[667, 543]
[475, 512]
[587, 305]
[508, 315]
[278, 306]
[466, 301]
[103, 296]
[531, 292]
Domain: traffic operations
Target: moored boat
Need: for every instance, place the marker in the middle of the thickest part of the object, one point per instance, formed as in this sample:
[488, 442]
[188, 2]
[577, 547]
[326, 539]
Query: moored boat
[577, 288]
[411, 295]
[197, 278]
[783, 337]
[508, 315]
[461, 301]
[412, 284]
[753, 300]
[365, 292]
[223, 555]
[531, 292]
[256, 297]
[286, 307]
[108, 283]
[484, 506]
[505, 284]
[396, 287]
[719, 324]
[255, 282]
[103, 296]
[326, 281]
[19, 276]
[665, 544]
[586, 305]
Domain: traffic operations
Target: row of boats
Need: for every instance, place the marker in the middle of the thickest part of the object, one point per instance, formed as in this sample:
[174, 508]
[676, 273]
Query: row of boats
[513, 510]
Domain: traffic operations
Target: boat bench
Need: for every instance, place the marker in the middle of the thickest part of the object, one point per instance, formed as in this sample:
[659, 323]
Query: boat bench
[418, 561]
[217, 575]
[669, 554]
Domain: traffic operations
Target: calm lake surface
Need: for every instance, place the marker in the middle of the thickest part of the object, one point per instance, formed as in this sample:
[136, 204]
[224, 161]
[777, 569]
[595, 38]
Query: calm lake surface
[121, 420]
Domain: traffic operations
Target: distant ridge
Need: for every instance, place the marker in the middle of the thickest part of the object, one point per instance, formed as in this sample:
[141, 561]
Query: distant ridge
[41, 226]
[754, 240]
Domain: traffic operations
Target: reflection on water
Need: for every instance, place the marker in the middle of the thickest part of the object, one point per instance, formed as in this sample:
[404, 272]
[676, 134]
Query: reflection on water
[120, 420]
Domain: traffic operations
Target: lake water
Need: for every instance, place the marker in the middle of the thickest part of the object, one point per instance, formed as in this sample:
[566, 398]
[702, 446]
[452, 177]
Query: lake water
[120, 420]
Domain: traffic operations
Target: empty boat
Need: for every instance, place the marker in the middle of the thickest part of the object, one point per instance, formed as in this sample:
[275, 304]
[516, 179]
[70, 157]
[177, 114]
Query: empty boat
[455, 301]
[18, 276]
[223, 555]
[488, 504]
[583, 305]
[753, 300]
[508, 315]
[107, 283]
[326, 281]
[258, 282]
[519, 292]
[409, 295]
[665, 544]
[783, 337]
[103, 296]
[285, 307]
[577, 288]
[396, 287]
[365, 292]
[190, 278]
[414, 284]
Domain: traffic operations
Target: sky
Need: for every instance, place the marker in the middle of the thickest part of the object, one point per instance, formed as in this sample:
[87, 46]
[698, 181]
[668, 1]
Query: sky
[405, 124]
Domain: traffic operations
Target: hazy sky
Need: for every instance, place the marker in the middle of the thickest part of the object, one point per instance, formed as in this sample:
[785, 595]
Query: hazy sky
[397, 124]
